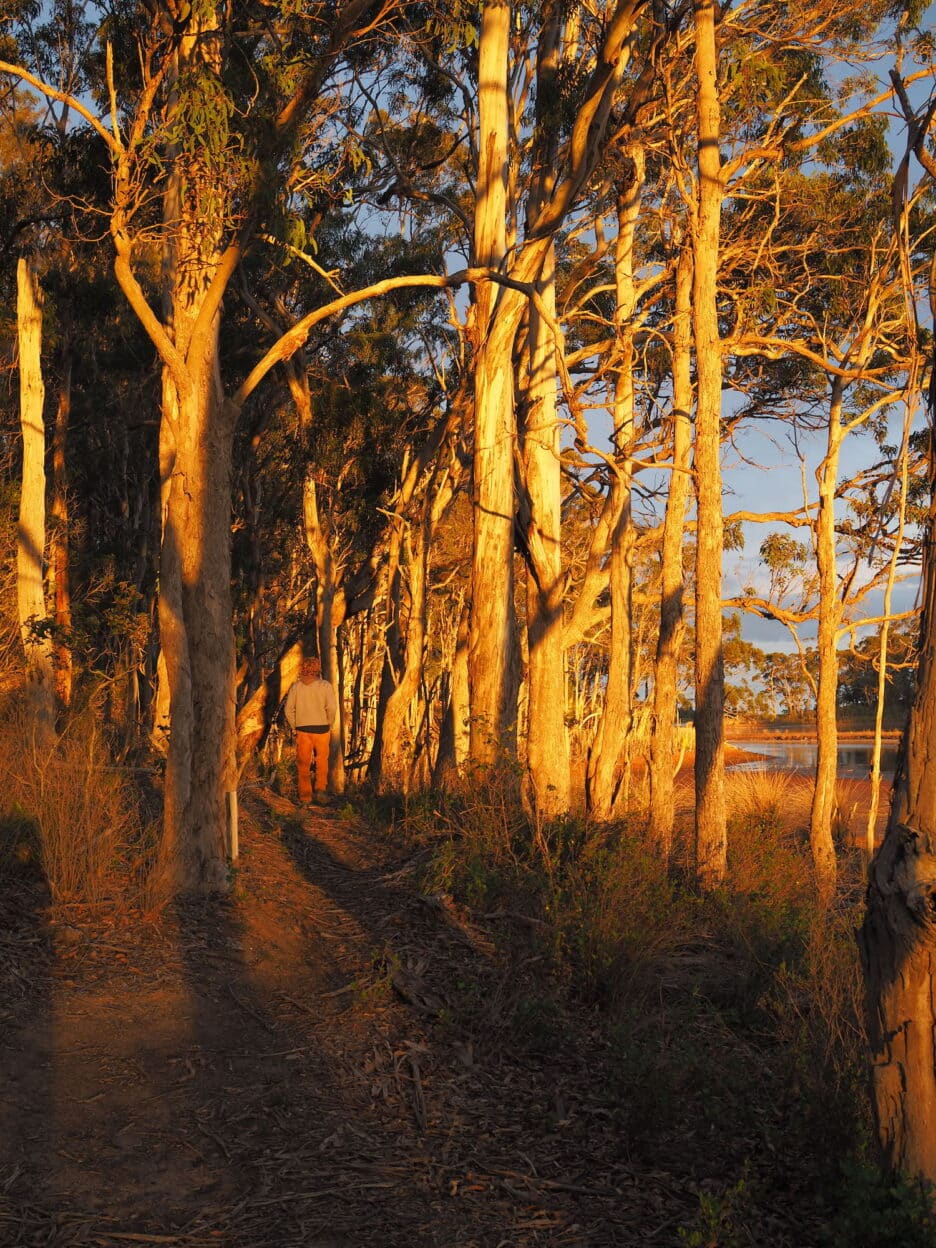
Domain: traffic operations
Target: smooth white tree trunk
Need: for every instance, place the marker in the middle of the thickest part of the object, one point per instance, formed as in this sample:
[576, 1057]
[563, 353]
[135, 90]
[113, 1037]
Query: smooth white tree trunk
[666, 672]
[31, 529]
[830, 612]
[609, 761]
[547, 754]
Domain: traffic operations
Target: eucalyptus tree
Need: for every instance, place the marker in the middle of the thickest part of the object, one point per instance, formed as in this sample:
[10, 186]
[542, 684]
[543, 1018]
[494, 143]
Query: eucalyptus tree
[528, 99]
[765, 109]
[201, 99]
[753, 139]
[840, 337]
[573, 120]
[711, 834]
[608, 761]
[31, 216]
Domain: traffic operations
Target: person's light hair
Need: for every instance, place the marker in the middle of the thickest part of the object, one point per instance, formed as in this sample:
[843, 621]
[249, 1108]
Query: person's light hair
[311, 669]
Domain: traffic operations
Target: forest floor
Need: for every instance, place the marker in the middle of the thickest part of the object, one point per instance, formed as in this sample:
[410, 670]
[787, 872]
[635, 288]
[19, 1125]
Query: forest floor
[330, 1058]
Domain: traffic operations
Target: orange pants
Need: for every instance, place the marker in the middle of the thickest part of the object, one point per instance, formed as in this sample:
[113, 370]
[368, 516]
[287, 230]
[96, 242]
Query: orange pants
[311, 745]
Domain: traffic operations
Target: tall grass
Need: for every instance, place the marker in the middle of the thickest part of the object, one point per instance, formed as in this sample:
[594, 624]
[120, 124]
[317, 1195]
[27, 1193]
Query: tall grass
[66, 806]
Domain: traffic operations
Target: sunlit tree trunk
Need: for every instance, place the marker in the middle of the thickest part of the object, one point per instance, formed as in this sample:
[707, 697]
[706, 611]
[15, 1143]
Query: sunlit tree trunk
[547, 738]
[401, 717]
[333, 671]
[823, 803]
[195, 610]
[409, 708]
[547, 746]
[197, 636]
[390, 648]
[355, 656]
[492, 657]
[711, 840]
[31, 535]
[256, 715]
[609, 758]
[330, 615]
[168, 604]
[492, 653]
[898, 937]
[453, 737]
[666, 672]
[904, 471]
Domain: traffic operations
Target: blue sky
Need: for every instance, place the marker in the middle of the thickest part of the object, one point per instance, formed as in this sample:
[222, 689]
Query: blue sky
[778, 486]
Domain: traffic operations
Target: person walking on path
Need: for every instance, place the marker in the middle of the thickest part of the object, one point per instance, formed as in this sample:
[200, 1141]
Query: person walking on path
[310, 711]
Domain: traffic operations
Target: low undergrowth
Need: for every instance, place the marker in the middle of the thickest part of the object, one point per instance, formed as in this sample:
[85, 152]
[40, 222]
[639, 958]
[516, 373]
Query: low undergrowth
[732, 1020]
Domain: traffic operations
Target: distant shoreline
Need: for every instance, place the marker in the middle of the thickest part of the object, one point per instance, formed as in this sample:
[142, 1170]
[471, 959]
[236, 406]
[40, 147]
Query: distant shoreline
[743, 749]
[782, 734]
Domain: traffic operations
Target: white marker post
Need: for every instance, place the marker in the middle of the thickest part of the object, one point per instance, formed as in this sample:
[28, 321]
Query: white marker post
[232, 824]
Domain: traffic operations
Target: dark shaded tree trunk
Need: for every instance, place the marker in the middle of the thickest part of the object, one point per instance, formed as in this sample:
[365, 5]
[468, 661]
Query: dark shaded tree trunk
[898, 937]
[58, 530]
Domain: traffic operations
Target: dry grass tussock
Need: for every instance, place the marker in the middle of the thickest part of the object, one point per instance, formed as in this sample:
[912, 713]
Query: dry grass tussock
[778, 797]
[783, 799]
[66, 809]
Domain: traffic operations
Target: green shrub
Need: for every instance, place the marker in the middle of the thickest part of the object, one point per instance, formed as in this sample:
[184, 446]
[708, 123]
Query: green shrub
[721, 1219]
[612, 908]
[876, 1211]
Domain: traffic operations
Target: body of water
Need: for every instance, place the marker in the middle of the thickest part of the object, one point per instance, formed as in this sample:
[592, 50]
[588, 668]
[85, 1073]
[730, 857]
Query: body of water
[854, 757]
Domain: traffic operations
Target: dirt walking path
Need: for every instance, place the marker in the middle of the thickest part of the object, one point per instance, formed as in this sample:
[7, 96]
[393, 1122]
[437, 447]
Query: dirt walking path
[320, 1060]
